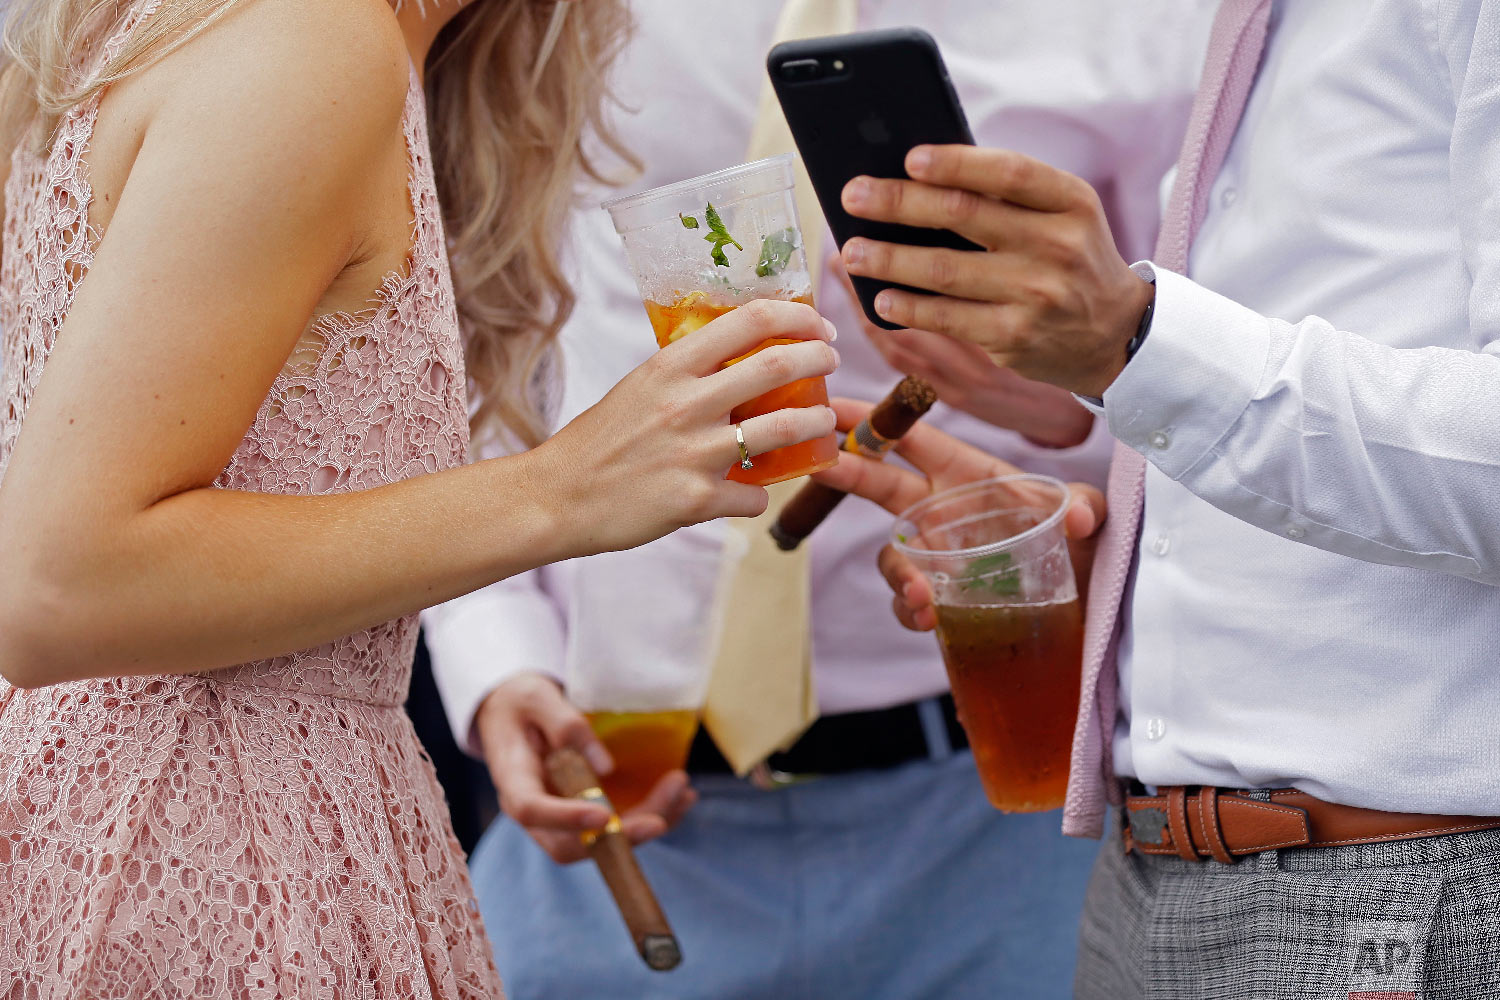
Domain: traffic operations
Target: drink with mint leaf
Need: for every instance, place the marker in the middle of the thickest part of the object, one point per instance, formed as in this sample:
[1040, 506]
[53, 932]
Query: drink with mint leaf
[704, 246]
[1009, 626]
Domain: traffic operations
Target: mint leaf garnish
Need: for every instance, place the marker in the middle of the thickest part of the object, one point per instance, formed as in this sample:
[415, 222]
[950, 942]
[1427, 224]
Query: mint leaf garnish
[993, 573]
[776, 252]
[985, 564]
[718, 236]
[688, 222]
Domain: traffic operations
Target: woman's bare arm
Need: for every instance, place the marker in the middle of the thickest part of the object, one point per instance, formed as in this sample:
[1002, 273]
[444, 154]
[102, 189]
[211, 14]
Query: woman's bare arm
[243, 204]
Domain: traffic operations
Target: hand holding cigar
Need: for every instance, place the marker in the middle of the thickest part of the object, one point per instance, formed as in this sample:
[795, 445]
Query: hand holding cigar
[571, 775]
[875, 435]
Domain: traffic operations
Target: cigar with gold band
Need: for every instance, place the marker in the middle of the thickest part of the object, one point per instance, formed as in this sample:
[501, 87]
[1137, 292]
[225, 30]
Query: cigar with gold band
[571, 775]
[875, 435]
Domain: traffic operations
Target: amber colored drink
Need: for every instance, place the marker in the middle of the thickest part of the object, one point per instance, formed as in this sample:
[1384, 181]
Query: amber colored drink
[1015, 676]
[645, 746]
[694, 311]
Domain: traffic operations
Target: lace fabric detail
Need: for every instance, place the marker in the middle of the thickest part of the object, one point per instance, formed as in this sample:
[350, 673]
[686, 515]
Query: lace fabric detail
[273, 829]
[368, 398]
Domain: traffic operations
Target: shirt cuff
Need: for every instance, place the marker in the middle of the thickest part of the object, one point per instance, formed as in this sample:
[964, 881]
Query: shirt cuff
[479, 641]
[1093, 404]
[1191, 379]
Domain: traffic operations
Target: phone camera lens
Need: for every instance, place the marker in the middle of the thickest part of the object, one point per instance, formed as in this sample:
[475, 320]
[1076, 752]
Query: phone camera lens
[799, 70]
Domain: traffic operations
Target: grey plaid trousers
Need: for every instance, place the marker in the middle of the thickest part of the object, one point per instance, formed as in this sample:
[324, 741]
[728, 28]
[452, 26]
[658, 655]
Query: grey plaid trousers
[1410, 920]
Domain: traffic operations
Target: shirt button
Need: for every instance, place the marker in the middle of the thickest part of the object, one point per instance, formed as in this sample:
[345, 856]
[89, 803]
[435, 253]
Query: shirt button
[1156, 729]
[1295, 532]
[1229, 196]
[1160, 440]
[1162, 545]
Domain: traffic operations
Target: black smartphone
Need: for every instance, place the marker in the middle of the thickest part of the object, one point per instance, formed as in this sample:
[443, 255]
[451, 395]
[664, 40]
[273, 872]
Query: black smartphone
[857, 104]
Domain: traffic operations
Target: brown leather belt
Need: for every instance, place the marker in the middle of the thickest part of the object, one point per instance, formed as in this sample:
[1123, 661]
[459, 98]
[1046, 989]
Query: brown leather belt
[1199, 823]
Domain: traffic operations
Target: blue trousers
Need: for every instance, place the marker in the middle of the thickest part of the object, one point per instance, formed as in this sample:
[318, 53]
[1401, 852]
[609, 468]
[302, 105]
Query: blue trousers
[890, 885]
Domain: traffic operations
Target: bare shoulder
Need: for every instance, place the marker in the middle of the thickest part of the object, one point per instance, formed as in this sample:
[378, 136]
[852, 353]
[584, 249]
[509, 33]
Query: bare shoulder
[281, 110]
[336, 69]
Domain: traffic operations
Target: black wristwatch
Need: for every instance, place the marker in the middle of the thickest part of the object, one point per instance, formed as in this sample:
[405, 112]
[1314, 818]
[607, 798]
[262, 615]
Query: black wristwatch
[1141, 331]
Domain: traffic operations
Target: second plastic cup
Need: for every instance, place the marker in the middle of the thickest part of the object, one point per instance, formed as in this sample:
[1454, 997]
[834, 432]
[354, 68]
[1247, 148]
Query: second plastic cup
[704, 246]
[642, 687]
[1009, 625]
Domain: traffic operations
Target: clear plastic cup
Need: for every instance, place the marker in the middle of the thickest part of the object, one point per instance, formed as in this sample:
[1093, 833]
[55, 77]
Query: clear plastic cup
[643, 688]
[1009, 625]
[688, 275]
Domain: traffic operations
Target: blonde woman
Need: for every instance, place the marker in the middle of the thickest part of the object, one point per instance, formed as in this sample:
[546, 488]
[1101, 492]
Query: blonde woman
[232, 445]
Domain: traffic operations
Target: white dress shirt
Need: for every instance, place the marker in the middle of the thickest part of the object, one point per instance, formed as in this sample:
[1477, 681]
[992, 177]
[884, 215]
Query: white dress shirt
[1315, 597]
[1099, 89]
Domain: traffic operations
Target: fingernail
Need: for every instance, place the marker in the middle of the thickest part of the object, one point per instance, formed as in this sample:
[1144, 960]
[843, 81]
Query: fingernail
[883, 303]
[836, 358]
[599, 759]
[854, 252]
[856, 191]
[906, 592]
[833, 331]
[919, 159]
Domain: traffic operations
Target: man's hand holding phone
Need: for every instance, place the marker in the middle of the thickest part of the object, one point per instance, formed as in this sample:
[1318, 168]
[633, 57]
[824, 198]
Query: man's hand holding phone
[1048, 296]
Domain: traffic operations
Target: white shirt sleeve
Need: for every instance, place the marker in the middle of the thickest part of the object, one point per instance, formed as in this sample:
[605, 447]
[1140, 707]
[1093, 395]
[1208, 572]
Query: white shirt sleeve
[482, 639]
[1319, 435]
[1327, 437]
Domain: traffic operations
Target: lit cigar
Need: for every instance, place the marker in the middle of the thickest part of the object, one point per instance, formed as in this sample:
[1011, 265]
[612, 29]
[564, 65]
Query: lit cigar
[877, 434]
[610, 848]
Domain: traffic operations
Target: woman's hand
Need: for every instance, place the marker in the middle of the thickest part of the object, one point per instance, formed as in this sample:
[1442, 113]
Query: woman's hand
[943, 462]
[528, 717]
[967, 379]
[652, 455]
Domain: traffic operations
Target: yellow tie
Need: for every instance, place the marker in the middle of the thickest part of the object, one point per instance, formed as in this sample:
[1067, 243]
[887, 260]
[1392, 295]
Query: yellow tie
[761, 697]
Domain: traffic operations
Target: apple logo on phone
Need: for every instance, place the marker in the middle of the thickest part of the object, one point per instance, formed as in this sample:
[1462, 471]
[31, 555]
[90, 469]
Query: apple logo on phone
[874, 131]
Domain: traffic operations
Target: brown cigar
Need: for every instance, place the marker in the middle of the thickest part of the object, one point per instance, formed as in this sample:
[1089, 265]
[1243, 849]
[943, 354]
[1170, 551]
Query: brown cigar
[877, 434]
[610, 848]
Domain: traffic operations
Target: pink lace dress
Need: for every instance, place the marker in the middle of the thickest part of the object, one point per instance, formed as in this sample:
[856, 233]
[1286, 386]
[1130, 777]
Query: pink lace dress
[273, 830]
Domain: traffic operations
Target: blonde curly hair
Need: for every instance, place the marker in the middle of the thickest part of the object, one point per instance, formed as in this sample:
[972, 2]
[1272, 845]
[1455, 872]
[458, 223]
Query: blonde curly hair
[508, 145]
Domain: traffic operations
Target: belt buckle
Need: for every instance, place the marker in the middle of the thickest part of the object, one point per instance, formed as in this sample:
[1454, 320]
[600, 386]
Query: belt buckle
[768, 779]
[1145, 826]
